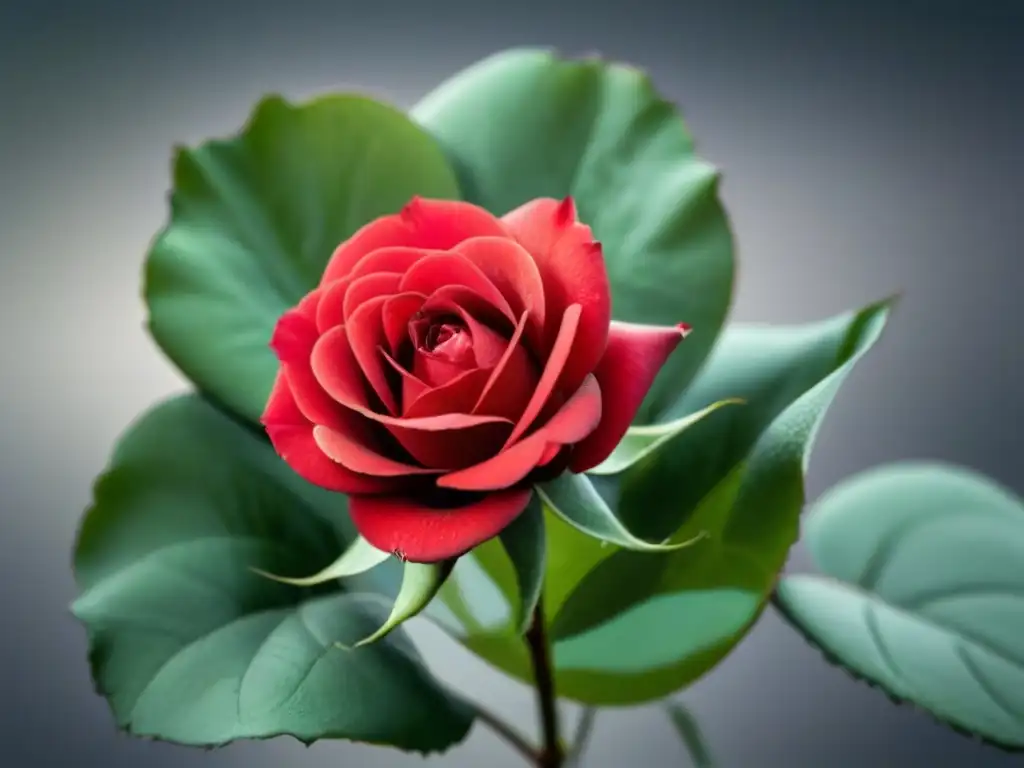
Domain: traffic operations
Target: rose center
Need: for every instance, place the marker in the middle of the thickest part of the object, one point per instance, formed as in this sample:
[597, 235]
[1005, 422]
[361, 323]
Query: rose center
[450, 343]
[445, 339]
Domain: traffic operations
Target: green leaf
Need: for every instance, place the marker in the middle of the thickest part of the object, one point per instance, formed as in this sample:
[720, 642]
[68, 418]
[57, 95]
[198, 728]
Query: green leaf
[189, 645]
[689, 731]
[922, 592]
[360, 557]
[420, 582]
[679, 613]
[575, 500]
[525, 124]
[639, 442]
[526, 545]
[254, 220]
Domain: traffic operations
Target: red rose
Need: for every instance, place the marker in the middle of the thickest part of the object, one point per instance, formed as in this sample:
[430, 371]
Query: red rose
[448, 360]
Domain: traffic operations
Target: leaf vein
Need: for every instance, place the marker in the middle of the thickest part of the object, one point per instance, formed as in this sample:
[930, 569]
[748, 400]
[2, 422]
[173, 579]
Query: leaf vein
[974, 670]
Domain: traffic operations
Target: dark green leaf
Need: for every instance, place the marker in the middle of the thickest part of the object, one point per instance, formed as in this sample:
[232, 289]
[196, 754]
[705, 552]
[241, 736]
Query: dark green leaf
[679, 613]
[922, 592]
[575, 500]
[254, 220]
[189, 645]
[526, 545]
[526, 124]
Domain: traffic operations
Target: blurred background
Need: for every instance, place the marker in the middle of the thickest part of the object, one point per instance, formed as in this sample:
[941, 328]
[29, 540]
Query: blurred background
[866, 147]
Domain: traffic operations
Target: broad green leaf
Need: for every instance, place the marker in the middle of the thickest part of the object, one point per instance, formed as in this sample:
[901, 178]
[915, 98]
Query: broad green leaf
[526, 545]
[254, 220]
[360, 557]
[921, 592]
[420, 583]
[689, 731]
[639, 442]
[525, 124]
[679, 613]
[574, 499]
[189, 645]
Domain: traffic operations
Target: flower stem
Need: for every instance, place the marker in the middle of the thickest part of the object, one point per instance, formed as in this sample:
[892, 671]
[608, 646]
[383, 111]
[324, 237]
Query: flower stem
[579, 743]
[508, 733]
[551, 754]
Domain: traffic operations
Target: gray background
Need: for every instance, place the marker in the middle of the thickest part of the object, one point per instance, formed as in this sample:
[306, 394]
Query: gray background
[866, 147]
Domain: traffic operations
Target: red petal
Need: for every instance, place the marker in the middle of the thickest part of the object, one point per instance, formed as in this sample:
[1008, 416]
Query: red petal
[397, 259]
[512, 380]
[453, 448]
[439, 270]
[312, 400]
[434, 370]
[473, 303]
[412, 387]
[573, 422]
[281, 408]
[514, 272]
[634, 356]
[453, 397]
[336, 369]
[331, 311]
[351, 453]
[423, 534]
[560, 350]
[443, 224]
[307, 307]
[362, 289]
[552, 450]
[366, 335]
[540, 224]
[294, 340]
[437, 224]
[573, 270]
[379, 233]
[293, 337]
[396, 314]
[488, 345]
[292, 437]
[320, 409]
[333, 360]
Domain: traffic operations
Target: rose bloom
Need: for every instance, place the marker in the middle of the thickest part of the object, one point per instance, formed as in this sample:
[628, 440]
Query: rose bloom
[448, 361]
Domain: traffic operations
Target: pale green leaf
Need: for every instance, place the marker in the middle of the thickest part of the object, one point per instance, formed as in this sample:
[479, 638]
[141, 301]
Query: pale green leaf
[420, 583]
[640, 441]
[360, 557]
[575, 500]
[922, 592]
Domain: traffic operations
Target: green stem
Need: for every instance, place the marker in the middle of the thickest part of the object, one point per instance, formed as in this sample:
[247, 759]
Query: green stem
[689, 729]
[551, 754]
[579, 742]
[506, 732]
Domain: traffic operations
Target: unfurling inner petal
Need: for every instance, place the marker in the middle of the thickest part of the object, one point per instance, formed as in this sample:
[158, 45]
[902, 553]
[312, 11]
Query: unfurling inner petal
[560, 351]
[576, 419]
[514, 273]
